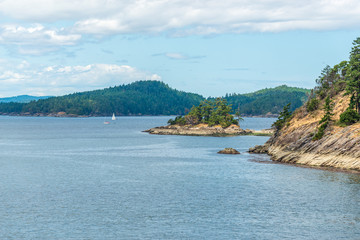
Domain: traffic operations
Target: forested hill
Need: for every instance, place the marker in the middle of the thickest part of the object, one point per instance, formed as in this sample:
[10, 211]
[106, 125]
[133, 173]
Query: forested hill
[138, 98]
[268, 100]
[153, 98]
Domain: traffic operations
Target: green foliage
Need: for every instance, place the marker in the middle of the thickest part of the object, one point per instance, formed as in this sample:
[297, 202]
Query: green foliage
[328, 107]
[238, 115]
[284, 117]
[332, 80]
[269, 100]
[353, 75]
[12, 107]
[157, 98]
[138, 98]
[180, 120]
[325, 120]
[312, 105]
[350, 116]
[211, 112]
[320, 132]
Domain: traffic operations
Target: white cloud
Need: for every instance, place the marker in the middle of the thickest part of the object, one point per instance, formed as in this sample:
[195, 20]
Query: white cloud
[25, 36]
[59, 80]
[36, 39]
[184, 17]
[55, 10]
[71, 20]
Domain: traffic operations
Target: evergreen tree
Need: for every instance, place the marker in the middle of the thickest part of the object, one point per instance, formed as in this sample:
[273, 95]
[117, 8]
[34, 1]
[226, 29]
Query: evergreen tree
[211, 112]
[353, 75]
[238, 114]
[326, 119]
[284, 117]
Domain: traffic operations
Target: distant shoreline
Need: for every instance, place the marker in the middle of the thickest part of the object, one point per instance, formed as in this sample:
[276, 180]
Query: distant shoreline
[96, 115]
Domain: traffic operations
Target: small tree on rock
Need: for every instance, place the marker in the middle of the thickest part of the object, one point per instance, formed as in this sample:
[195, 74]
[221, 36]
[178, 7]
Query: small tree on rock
[353, 75]
[284, 117]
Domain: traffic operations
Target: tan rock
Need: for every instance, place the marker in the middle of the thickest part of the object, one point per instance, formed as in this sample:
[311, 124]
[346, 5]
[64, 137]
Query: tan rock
[229, 151]
[205, 130]
[338, 148]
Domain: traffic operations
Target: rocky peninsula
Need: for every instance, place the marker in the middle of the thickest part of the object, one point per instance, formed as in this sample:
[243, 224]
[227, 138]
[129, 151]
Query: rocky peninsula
[206, 130]
[325, 131]
[338, 148]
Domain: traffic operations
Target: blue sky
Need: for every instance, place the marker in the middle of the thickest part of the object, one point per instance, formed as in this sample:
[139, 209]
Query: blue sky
[208, 47]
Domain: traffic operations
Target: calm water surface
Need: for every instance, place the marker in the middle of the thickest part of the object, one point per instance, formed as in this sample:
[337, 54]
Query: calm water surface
[77, 178]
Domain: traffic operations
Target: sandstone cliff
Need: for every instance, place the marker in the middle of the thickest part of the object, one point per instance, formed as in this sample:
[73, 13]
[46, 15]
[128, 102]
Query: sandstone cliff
[339, 147]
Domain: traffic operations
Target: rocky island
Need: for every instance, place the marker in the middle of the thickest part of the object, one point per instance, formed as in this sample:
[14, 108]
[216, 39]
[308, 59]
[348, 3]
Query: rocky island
[229, 151]
[325, 132]
[210, 118]
[206, 130]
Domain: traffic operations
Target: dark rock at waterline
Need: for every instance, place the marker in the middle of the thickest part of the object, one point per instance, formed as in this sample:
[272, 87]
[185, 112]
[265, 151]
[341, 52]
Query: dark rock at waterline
[229, 151]
[259, 149]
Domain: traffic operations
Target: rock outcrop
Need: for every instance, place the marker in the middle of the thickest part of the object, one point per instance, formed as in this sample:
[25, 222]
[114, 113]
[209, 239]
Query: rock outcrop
[339, 147]
[229, 151]
[205, 130]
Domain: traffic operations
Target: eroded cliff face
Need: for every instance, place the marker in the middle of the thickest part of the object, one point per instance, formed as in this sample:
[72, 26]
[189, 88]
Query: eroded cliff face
[339, 147]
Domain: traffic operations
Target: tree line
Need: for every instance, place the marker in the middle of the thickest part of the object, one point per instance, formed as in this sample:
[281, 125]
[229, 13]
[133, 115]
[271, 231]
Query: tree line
[343, 78]
[212, 112]
[155, 98]
[138, 98]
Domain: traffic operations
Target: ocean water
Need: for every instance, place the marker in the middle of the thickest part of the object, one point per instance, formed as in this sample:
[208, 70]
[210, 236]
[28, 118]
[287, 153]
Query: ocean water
[78, 178]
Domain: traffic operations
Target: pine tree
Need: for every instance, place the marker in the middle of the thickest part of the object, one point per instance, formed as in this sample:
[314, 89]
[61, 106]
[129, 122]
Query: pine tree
[353, 75]
[284, 117]
[326, 119]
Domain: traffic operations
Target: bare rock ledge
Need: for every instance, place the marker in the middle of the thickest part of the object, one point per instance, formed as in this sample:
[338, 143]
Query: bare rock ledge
[205, 130]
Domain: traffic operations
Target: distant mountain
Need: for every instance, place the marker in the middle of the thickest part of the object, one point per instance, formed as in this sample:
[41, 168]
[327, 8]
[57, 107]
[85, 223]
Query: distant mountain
[268, 100]
[153, 98]
[22, 99]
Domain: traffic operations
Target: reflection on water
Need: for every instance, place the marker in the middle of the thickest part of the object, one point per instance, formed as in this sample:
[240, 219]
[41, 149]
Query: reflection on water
[353, 179]
[342, 177]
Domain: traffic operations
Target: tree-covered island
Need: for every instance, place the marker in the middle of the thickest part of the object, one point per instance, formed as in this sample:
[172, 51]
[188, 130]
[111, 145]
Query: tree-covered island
[210, 112]
[212, 117]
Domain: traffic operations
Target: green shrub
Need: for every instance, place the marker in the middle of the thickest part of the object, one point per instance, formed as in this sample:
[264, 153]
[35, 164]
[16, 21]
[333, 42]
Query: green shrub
[180, 120]
[284, 117]
[325, 120]
[320, 133]
[211, 112]
[312, 105]
[235, 121]
[350, 116]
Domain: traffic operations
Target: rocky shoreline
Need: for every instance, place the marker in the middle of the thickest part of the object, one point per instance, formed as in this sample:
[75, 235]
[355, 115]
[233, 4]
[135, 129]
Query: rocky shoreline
[339, 148]
[205, 130]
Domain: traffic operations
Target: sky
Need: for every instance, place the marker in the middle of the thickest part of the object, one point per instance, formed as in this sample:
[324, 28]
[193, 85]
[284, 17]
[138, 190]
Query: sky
[52, 47]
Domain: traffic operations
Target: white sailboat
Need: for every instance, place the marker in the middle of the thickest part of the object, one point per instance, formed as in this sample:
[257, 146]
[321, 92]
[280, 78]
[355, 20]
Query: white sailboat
[113, 117]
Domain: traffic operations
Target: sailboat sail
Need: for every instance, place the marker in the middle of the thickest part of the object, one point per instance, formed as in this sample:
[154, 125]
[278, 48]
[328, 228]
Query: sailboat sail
[113, 117]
